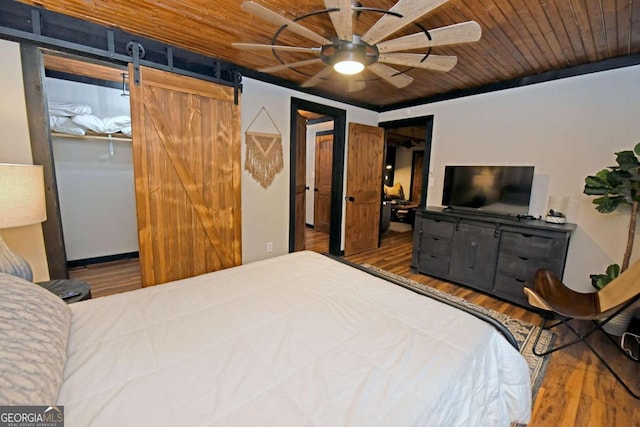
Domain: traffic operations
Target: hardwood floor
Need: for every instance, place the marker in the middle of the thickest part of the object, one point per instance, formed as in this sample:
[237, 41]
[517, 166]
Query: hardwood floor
[576, 391]
[109, 277]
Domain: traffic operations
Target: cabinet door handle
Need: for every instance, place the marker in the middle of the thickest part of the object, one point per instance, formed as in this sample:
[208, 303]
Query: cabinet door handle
[520, 281]
[524, 258]
[435, 238]
[526, 235]
[471, 254]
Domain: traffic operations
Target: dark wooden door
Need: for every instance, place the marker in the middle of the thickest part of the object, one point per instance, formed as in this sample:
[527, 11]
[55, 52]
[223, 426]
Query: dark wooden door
[322, 184]
[364, 187]
[301, 183]
[186, 152]
[416, 176]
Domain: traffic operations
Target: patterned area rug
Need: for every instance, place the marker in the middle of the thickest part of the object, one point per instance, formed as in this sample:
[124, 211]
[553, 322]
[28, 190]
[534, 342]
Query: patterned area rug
[523, 332]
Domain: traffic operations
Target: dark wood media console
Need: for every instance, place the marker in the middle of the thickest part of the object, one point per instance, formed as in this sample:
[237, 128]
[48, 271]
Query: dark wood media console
[497, 254]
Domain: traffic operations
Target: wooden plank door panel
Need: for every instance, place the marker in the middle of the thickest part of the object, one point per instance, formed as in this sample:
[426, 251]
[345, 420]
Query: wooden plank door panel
[322, 190]
[364, 188]
[186, 144]
[301, 183]
[416, 176]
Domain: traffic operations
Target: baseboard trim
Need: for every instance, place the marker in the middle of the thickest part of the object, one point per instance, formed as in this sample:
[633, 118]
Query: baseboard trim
[101, 259]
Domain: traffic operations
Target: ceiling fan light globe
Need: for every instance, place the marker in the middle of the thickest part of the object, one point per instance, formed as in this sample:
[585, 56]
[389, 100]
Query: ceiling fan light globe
[348, 67]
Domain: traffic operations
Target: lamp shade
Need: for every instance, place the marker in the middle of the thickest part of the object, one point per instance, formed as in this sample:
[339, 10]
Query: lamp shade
[22, 199]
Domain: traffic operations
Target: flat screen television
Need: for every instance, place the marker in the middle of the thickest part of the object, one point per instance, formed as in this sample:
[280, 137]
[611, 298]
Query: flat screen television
[492, 189]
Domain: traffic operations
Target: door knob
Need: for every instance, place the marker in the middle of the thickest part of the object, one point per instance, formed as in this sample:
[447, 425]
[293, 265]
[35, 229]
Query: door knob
[350, 199]
[306, 188]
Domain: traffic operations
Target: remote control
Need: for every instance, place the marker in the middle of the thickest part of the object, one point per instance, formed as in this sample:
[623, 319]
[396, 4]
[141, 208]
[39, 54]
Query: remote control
[69, 294]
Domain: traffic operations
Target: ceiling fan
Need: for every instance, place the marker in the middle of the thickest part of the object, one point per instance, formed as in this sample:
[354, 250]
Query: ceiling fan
[350, 53]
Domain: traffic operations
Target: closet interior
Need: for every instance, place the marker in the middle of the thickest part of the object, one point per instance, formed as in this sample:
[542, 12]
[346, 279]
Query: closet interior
[90, 124]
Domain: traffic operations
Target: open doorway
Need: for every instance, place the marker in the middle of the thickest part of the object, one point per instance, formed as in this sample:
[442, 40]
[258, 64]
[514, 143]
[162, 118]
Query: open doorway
[406, 173]
[319, 154]
[305, 114]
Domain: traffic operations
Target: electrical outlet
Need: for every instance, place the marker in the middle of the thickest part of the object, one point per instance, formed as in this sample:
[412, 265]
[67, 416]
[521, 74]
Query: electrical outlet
[269, 246]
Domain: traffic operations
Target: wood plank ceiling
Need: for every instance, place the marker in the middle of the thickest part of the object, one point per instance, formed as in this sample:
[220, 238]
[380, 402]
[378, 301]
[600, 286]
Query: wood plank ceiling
[520, 38]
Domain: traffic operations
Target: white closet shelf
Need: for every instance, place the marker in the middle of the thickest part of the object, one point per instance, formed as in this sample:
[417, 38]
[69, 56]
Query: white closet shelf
[93, 135]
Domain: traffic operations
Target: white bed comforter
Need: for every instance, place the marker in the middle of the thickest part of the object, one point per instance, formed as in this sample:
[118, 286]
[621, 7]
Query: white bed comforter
[298, 340]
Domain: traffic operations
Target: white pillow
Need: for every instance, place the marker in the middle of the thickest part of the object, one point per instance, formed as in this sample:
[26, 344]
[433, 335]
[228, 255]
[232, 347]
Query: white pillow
[67, 109]
[116, 124]
[90, 122]
[109, 125]
[65, 125]
[34, 330]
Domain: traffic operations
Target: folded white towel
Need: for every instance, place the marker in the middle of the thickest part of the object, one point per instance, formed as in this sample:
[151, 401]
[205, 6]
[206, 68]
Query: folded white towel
[65, 125]
[109, 125]
[66, 109]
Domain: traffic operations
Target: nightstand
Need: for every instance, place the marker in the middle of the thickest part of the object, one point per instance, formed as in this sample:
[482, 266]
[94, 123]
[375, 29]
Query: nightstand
[70, 290]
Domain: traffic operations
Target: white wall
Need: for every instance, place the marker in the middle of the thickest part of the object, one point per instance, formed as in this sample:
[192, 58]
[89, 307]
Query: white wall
[567, 129]
[95, 180]
[311, 166]
[15, 147]
[265, 212]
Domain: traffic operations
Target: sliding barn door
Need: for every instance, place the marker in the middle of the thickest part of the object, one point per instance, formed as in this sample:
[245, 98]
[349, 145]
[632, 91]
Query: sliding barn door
[364, 188]
[186, 151]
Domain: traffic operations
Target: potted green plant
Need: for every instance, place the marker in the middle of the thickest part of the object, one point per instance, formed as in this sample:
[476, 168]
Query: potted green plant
[615, 187]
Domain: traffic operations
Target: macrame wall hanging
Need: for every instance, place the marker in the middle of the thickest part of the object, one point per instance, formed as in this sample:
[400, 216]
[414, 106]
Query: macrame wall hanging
[264, 157]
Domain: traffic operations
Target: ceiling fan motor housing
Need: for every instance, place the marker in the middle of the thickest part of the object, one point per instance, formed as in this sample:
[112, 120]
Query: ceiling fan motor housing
[343, 50]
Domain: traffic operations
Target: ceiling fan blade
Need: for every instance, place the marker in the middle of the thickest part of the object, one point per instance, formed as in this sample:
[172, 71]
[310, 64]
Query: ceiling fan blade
[342, 19]
[267, 15]
[432, 62]
[258, 46]
[355, 85]
[317, 77]
[281, 67]
[389, 24]
[390, 74]
[464, 32]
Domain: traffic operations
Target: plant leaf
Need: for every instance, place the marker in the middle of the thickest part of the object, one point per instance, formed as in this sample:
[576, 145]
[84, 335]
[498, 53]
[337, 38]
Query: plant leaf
[608, 204]
[615, 179]
[591, 191]
[599, 281]
[595, 181]
[602, 175]
[613, 271]
[626, 159]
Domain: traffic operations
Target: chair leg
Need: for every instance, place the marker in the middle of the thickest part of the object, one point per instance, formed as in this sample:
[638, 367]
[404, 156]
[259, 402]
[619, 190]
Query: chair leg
[581, 338]
[614, 342]
[560, 347]
[613, 372]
